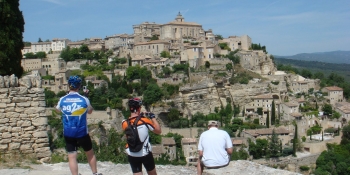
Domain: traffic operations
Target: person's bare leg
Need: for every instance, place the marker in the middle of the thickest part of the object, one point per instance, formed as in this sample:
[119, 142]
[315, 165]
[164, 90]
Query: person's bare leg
[200, 167]
[140, 173]
[73, 164]
[92, 160]
[152, 172]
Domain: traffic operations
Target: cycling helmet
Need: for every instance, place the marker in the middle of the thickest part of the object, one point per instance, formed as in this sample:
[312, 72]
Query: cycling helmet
[134, 103]
[74, 82]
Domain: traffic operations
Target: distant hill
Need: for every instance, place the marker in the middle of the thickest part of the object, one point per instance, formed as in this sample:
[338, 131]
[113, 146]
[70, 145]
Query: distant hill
[327, 57]
[317, 66]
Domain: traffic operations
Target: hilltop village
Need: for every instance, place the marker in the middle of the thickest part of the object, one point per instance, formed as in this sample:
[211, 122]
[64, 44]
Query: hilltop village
[222, 73]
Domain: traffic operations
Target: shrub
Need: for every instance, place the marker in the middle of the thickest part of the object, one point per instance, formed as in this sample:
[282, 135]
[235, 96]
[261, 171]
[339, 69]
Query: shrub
[304, 168]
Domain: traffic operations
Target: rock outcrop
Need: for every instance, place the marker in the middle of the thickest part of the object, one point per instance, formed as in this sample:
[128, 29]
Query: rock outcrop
[107, 168]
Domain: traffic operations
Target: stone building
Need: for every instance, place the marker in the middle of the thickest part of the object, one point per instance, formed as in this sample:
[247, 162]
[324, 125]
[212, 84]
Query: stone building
[344, 109]
[144, 32]
[257, 61]
[290, 110]
[169, 147]
[335, 94]
[53, 64]
[151, 48]
[38, 47]
[115, 42]
[189, 147]
[179, 29]
[31, 64]
[264, 133]
[243, 42]
[58, 44]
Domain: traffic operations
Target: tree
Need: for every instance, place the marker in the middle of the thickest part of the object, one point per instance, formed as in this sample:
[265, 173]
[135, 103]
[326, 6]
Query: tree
[327, 109]
[229, 66]
[273, 113]
[152, 94]
[267, 120]
[274, 147]
[295, 138]
[39, 40]
[173, 115]
[207, 64]
[165, 54]
[40, 55]
[11, 38]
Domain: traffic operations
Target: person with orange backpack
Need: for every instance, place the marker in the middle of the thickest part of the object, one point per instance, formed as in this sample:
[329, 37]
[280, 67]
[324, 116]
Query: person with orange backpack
[136, 128]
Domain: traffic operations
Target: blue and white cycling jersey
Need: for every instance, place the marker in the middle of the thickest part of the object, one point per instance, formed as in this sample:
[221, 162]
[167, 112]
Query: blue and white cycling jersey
[74, 108]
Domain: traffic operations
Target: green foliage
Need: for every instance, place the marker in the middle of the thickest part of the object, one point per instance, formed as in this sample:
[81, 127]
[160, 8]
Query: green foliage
[233, 58]
[173, 115]
[240, 154]
[304, 168]
[242, 78]
[165, 54]
[327, 109]
[155, 138]
[295, 139]
[258, 47]
[275, 82]
[219, 37]
[260, 111]
[303, 138]
[224, 46]
[273, 113]
[229, 66]
[48, 77]
[152, 94]
[258, 150]
[207, 64]
[177, 137]
[154, 37]
[11, 38]
[274, 145]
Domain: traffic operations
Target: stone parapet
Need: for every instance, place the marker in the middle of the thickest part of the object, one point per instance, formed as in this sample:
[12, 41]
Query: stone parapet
[23, 122]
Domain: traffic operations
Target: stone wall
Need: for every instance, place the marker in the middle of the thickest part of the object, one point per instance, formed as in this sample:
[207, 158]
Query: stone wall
[23, 122]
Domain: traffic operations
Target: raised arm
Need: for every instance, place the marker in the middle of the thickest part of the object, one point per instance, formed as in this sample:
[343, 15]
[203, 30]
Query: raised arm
[157, 128]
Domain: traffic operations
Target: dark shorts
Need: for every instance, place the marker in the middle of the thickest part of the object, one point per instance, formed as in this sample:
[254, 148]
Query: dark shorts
[136, 163]
[72, 144]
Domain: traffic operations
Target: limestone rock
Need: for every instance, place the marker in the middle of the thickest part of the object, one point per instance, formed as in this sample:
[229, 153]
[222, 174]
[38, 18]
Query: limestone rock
[25, 82]
[2, 82]
[6, 81]
[40, 134]
[13, 81]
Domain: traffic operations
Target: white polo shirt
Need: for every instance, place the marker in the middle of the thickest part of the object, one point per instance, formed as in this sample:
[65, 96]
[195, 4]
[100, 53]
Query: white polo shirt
[213, 143]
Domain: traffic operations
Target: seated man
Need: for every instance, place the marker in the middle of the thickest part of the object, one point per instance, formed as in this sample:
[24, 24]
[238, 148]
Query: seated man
[214, 148]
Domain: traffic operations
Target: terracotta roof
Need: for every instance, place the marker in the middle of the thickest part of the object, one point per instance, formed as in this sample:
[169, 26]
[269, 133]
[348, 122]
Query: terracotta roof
[296, 114]
[168, 141]
[334, 88]
[263, 96]
[345, 109]
[291, 104]
[98, 81]
[188, 140]
[266, 131]
[184, 23]
[157, 149]
[153, 42]
[140, 57]
[237, 142]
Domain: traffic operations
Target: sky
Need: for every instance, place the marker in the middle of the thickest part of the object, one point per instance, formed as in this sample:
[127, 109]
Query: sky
[284, 27]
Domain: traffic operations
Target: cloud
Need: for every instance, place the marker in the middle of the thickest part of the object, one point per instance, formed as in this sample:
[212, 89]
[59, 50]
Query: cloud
[58, 2]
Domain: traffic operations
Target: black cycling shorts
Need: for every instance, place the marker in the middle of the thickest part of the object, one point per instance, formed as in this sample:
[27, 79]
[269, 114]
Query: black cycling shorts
[72, 144]
[136, 163]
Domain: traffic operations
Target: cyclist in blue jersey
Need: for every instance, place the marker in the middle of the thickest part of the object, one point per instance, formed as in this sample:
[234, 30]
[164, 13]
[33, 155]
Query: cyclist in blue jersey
[74, 109]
